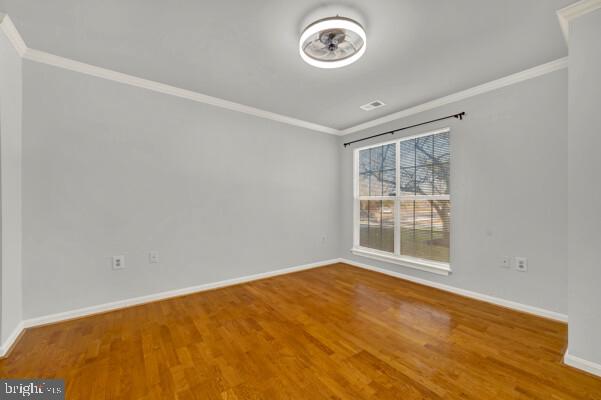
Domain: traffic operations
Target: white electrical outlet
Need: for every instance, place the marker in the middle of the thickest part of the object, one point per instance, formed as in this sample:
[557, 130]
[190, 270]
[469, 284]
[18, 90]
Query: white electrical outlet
[521, 264]
[153, 257]
[505, 262]
[118, 262]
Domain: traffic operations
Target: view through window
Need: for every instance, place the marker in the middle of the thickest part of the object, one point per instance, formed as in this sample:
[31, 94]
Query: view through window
[402, 197]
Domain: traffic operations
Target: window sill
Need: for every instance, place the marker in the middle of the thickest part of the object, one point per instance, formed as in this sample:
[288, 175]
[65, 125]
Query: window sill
[416, 263]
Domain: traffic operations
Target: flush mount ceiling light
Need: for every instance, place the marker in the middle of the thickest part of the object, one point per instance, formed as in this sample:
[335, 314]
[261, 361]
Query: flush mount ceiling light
[332, 42]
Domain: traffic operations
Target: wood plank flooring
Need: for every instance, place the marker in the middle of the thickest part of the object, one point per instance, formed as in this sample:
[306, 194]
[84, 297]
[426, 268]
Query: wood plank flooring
[336, 332]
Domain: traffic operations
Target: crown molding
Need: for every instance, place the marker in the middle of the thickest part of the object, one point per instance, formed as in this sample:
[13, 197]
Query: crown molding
[573, 11]
[9, 29]
[104, 73]
[464, 94]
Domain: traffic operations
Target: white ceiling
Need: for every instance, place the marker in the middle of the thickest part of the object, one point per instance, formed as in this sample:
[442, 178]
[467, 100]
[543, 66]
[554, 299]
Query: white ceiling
[247, 51]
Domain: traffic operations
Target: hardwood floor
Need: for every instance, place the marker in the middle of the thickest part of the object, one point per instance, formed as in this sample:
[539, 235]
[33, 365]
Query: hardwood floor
[336, 332]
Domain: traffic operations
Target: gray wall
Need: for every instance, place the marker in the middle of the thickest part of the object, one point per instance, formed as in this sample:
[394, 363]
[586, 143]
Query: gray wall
[10, 182]
[110, 169]
[585, 188]
[508, 191]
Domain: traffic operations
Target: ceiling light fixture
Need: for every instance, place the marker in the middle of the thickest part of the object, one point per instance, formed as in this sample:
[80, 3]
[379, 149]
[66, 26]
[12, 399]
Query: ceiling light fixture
[332, 42]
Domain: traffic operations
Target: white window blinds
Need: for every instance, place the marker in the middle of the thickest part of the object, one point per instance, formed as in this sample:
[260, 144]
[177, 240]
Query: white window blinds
[402, 197]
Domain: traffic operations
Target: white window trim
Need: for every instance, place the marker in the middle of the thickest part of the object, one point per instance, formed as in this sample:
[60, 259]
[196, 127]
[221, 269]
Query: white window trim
[435, 267]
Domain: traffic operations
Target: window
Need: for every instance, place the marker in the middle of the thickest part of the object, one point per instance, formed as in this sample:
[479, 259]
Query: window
[402, 201]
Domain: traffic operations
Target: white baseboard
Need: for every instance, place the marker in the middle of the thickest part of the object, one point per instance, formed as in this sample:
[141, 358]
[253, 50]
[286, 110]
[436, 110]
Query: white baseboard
[541, 312]
[100, 308]
[582, 364]
[82, 312]
[8, 343]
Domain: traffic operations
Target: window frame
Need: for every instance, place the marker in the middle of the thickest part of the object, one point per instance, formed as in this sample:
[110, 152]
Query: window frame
[436, 267]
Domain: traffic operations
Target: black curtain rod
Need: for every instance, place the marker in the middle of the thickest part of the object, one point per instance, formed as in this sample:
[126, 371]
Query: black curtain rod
[458, 116]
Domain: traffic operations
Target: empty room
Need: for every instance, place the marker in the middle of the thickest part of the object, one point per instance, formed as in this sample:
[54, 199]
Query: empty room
[263, 199]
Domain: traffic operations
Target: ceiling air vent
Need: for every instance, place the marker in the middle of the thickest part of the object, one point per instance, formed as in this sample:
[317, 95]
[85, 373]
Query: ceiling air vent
[372, 105]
